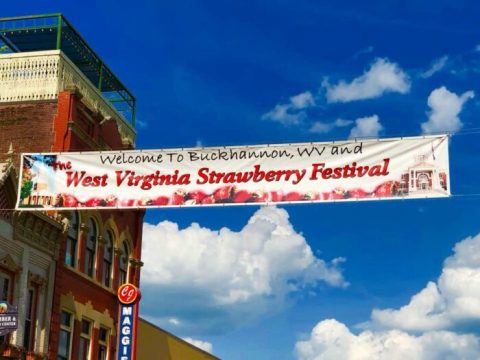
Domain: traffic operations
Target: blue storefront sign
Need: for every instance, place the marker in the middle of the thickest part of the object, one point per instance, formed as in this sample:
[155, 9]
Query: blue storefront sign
[128, 296]
[125, 335]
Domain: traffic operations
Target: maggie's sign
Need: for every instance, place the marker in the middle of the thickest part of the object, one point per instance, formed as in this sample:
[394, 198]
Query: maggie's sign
[128, 295]
[414, 167]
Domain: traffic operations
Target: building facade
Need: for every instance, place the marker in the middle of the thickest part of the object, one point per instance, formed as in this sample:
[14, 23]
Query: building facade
[28, 245]
[57, 95]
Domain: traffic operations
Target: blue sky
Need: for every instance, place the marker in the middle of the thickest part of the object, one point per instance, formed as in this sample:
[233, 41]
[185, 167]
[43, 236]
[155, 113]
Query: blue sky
[225, 73]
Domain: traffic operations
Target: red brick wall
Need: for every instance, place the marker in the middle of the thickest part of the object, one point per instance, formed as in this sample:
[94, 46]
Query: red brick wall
[27, 125]
[72, 114]
[68, 125]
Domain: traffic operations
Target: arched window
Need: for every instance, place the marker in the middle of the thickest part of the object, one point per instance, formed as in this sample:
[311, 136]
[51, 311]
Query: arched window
[72, 236]
[90, 247]
[107, 259]
[123, 269]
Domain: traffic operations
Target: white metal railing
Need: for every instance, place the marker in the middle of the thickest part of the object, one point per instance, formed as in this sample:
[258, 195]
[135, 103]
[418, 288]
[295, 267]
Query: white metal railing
[41, 75]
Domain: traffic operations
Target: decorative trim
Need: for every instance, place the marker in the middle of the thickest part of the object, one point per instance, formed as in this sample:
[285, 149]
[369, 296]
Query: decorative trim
[9, 264]
[136, 263]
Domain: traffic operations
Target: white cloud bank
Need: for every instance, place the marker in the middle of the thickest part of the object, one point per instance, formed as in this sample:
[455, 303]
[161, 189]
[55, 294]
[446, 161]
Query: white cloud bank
[331, 340]
[211, 281]
[445, 108]
[453, 301]
[432, 326]
[204, 345]
[366, 127]
[382, 77]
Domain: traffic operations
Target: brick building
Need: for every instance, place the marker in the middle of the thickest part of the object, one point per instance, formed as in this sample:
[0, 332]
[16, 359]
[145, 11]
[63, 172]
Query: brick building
[28, 244]
[56, 94]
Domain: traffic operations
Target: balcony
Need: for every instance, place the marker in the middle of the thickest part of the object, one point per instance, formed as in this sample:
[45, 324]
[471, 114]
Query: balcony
[33, 70]
[41, 75]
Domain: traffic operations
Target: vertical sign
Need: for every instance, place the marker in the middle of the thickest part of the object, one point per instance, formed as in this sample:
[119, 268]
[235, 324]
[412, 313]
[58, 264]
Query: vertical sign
[128, 295]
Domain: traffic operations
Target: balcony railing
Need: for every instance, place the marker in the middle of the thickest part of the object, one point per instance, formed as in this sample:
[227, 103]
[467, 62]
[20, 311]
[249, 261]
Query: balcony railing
[41, 75]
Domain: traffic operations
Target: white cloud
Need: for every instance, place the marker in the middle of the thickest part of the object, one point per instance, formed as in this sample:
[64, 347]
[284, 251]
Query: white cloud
[363, 51]
[434, 315]
[332, 340]
[453, 301]
[445, 107]
[435, 67]
[303, 100]
[366, 127]
[320, 127]
[281, 113]
[213, 280]
[204, 345]
[291, 113]
[382, 77]
[174, 321]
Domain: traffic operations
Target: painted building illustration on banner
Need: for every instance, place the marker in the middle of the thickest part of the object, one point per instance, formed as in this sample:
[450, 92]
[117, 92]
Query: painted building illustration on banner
[424, 178]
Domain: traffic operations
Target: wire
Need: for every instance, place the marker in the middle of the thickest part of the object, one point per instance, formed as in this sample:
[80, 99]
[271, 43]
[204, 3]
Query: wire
[457, 196]
[461, 132]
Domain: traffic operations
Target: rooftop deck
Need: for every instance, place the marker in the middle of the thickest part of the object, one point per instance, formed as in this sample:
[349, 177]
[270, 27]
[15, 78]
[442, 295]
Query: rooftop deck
[53, 32]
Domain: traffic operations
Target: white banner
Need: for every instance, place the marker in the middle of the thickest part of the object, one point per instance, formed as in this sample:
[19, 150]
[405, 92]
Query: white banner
[414, 167]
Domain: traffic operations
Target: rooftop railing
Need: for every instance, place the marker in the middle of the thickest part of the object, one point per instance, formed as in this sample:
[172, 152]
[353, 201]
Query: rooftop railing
[54, 32]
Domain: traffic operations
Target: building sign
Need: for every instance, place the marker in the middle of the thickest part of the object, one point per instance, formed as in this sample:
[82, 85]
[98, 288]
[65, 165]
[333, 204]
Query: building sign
[415, 167]
[8, 318]
[128, 295]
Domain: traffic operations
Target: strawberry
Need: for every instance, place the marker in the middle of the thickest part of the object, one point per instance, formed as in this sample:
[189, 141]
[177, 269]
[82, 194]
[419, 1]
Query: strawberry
[144, 202]
[388, 188]
[208, 200]
[197, 195]
[178, 198]
[338, 193]
[127, 202]
[311, 195]
[223, 194]
[293, 196]
[275, 196]
[357, 193]
[260, 196]
[160, 201]
[69, 200]
[95, 202]
[242, 196]
[111, 200]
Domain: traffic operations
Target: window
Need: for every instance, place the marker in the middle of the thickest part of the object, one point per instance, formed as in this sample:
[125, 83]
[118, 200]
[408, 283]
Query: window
[102, 343]
[122, 278]
[5, 281]
[90, 247]
[29, 334]
[71, 251]
[84, 346]
[107, 259]
[64, 343]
